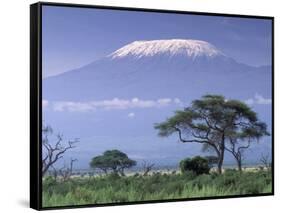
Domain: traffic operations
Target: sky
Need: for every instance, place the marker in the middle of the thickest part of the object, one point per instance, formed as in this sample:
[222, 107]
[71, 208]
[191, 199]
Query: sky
[81, 35]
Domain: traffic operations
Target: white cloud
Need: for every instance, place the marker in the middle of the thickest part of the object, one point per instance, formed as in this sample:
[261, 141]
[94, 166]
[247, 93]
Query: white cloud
[114, 103]
[164, 101]
[131, 115]
[258, 99]
[72, 106]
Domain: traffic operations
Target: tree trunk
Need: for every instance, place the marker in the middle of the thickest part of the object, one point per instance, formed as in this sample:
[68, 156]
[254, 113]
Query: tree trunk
[220, 159]
[221, 156]
[239, 164]
[220, 164]
[239, 167]
[45, 169]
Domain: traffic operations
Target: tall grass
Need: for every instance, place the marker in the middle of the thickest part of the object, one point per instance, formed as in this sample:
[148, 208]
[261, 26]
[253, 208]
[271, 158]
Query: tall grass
[114, 189]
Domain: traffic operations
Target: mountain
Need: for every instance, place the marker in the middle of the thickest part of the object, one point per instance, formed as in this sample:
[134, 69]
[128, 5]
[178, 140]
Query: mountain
[166, 68]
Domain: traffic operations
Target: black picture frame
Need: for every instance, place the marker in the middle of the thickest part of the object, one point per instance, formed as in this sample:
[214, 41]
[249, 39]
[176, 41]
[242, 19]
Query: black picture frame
[36, 101]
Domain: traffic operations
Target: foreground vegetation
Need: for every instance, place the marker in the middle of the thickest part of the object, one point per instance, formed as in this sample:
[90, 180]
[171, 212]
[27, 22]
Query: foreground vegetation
[113, 188]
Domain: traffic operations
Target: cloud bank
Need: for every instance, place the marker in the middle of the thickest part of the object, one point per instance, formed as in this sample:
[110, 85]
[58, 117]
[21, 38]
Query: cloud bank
[113, 104]
[122, 104]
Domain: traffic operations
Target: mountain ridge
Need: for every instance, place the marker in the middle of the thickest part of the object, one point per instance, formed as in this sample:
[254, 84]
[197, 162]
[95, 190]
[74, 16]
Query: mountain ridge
[172, 50]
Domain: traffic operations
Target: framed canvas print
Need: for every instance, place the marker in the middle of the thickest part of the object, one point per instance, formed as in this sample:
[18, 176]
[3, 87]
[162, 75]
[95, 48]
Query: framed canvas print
[133, 106]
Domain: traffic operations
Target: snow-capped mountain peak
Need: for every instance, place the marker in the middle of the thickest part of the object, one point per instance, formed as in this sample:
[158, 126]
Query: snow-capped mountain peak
[172, 47]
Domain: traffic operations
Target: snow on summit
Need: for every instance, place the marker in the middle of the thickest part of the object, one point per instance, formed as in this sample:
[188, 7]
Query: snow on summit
[172, 47]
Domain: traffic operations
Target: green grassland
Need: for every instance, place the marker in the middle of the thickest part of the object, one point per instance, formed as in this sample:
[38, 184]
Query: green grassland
[157, 186]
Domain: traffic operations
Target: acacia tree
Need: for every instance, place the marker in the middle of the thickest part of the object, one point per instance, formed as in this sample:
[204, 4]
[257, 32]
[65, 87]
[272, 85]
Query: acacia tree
[208, 121]
[101, 163]
[114, 160]
[240, 140]
[53, 150]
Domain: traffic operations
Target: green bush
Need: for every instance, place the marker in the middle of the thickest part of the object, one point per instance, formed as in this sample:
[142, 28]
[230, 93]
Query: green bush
[198, 165]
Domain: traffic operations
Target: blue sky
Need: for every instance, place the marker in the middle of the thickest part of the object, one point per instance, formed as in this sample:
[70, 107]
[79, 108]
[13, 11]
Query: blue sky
[80, 36]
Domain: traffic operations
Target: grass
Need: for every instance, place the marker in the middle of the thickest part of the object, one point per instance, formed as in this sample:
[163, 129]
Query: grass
[114, 189]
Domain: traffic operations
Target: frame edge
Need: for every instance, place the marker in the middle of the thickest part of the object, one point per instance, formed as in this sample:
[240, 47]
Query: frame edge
[35, 32]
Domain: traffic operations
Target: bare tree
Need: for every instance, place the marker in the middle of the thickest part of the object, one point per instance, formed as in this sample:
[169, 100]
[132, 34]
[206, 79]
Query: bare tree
[265, 161]
[66, 173]
[147, 167]
[52, 152]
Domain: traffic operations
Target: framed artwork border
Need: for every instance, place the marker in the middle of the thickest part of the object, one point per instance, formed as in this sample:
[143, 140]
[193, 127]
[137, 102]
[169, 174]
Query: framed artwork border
[36, 102]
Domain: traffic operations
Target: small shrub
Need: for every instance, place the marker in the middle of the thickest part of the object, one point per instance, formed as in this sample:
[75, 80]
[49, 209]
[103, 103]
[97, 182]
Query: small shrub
[198, 165]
